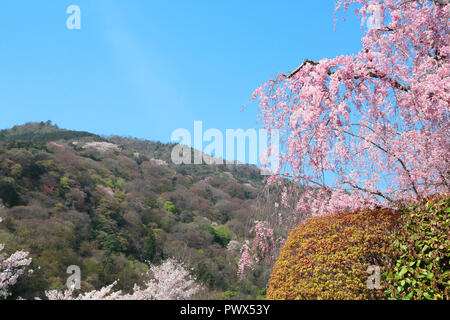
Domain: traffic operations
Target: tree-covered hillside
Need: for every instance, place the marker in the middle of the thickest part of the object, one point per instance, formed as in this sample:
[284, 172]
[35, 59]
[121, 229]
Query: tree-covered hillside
[109, 205]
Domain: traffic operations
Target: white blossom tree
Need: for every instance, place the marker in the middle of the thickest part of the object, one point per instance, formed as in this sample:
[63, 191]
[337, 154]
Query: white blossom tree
[104, 293]
[11, 268]
[170, 281]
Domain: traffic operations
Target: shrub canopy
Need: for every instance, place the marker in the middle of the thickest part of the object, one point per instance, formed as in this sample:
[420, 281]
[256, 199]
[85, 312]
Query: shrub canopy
[328, 257]
[419, 265]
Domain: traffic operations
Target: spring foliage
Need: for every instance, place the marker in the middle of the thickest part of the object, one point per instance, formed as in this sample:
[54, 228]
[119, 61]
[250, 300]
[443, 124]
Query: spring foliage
[327, 257]
[110, 212]
[419, 266]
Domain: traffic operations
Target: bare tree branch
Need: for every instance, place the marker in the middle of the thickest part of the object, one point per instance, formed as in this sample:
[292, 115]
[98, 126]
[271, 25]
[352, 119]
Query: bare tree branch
[372, 74]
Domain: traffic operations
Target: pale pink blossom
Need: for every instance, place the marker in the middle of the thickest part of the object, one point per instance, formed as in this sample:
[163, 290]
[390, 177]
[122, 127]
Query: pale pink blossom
[372, 128]
[169, 281]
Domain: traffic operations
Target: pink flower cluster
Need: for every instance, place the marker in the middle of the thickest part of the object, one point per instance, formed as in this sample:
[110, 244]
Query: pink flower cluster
[372, 128]
[262, 247]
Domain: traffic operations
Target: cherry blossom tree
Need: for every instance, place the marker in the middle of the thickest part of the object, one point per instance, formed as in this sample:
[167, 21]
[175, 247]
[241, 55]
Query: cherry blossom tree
[372, 128]
[104, 293]
[170, 281]
[11, 268]
[260, 248]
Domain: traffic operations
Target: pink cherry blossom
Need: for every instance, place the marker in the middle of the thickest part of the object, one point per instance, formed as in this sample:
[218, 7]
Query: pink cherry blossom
[372, 128]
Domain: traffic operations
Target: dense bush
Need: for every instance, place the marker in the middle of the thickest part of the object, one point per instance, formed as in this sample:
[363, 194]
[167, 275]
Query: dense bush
[222, 235]
[327, 257]
[9, 192]
[419, 267]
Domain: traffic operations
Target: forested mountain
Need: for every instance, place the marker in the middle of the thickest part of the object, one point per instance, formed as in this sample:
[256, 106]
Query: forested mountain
[110, 204]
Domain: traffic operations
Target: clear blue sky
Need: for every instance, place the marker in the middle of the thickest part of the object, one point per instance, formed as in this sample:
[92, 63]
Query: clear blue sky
[143, 68]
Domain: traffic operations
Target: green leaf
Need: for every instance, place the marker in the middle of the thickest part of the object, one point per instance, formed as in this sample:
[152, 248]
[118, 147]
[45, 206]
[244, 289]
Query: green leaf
[409, 296]
[427, 296]
[403, 271]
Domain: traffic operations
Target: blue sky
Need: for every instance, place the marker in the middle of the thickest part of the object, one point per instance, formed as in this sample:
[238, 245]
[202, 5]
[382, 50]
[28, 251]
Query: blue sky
[144, 68]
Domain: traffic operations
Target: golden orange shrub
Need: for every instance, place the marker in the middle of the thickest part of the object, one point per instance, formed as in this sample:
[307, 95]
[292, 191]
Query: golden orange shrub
[327, 257]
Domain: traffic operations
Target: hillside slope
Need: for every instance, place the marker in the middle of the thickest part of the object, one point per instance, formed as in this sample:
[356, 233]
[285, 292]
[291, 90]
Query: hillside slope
[110, 204]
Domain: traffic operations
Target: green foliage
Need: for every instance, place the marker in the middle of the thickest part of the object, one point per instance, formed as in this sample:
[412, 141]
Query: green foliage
[228, 295]
[110, 212]
[9, 192]
[18, 144]
[262, 293]
[64, 183]
[222, 235]
[169, 206]
[327, 257]
[109, 181]
[41, 133]
[149, 253]
[419, 257]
